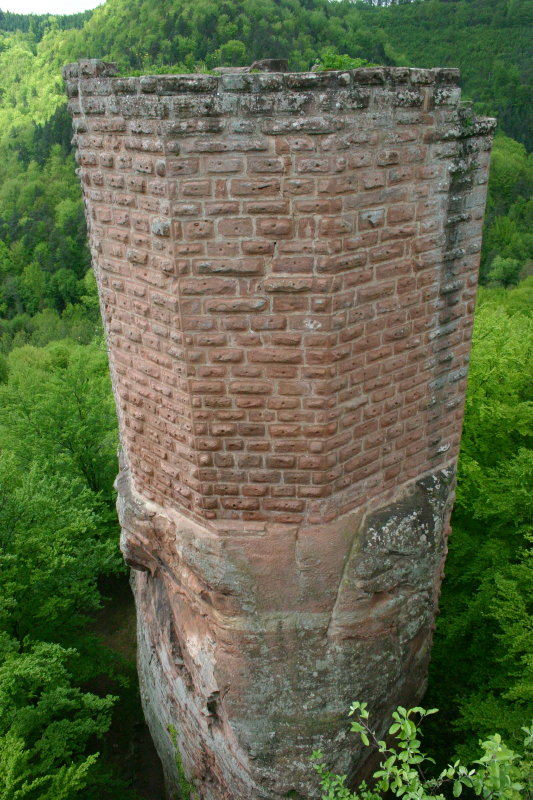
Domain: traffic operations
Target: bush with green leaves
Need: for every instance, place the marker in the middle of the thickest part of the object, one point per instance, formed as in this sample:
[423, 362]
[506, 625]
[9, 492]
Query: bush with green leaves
[504, 272]
[47, 724]
[329, 58]
[406, 771]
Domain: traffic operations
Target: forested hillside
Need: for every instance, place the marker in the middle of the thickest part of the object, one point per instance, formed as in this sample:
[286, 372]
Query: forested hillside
[64, 695]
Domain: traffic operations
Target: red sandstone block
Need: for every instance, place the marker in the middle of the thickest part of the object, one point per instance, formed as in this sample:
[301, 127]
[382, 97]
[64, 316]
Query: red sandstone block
[203, 286]
[250, 461]
[228, 144]
[336, 226]
[87, 159]
[144, 165]
[267, 207]
[265, 164]
[370, 179]
[251, 387]
[400, 213]
[386, 252]
[264, 476]
[319, 205]
[275, 355]
[283, 491]
[313, 164]
[400, 174]
[387, 157]
[358, 160]
[274, 227]
[135, 184]
[283, 504]
[249, 402]
[236, 306]
[219, 207]
[297, 143]
[254, 491]
[225, 164]
[258, 247]
[268, 323]
[233, 266]
[200, 188]
[226, 355]
[137, 256]
[286, 339]
[238, 226]
[293, 264]
[338, 185]
[253, 188]
[373, 218]
[280, 462]
[222, 249]
[116, 181]
[290, 303]
[251, 429]
[283, 402]
[183, 210]
[363, 241]
[374, 291]
[401, 232]
[299, 186]
[240, 503]
[182, 166]
[397, 333]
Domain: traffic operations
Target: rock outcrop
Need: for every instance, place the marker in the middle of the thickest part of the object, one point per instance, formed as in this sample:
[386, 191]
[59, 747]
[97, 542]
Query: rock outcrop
[287, 267]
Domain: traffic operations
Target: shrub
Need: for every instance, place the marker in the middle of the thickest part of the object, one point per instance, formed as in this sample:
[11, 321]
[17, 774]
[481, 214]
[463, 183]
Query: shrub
[498, 773]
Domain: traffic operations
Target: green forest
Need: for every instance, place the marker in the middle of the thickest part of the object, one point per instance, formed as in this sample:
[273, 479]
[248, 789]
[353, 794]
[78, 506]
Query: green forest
[70, 718]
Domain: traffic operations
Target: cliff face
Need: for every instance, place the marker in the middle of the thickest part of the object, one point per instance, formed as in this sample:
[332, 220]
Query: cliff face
[287, 267]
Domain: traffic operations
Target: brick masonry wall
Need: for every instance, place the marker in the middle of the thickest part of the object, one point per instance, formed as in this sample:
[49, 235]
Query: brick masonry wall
[287, 264]
[287, 267]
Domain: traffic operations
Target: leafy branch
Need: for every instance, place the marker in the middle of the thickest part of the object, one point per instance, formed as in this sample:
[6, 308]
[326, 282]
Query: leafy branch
[496, 775]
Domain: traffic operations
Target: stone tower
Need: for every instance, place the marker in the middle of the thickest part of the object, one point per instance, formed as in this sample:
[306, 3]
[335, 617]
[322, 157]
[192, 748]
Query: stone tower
[287, 268]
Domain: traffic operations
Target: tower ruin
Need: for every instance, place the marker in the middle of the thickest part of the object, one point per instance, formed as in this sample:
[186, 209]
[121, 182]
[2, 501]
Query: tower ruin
[287, 267]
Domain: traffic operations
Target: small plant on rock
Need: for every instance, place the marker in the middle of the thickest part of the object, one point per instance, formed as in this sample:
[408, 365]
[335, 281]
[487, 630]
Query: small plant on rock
[498, 773]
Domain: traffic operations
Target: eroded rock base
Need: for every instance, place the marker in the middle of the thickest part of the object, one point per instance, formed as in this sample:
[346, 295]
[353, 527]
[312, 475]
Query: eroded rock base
[254, 639]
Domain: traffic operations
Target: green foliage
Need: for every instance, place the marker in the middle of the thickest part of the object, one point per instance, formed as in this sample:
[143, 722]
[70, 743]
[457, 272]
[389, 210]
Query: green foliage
[43, 251]
[330, 59]
[509, 215]
[58, 404]
[232, 53]
[37, 24]
[186, 789]
[46, 723]
[504, 272]
[404, 768]
[52, 549]
[79, 322]
[481, 672]
[58, 540]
